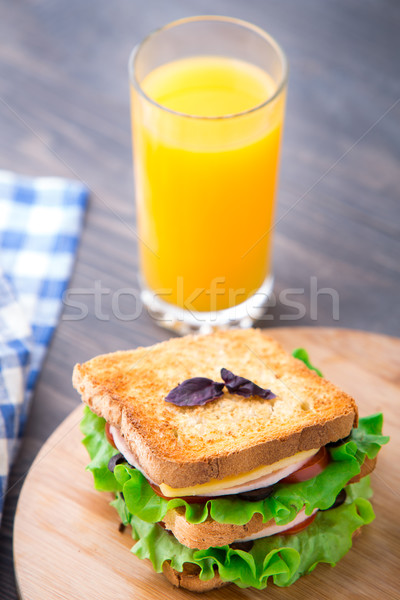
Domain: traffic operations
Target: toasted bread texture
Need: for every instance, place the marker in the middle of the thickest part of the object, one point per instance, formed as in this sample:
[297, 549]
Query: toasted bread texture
[210, 532]
[189, 578]
[186, 446]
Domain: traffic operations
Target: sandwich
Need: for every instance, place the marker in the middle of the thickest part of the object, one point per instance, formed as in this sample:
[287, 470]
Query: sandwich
[232, 461]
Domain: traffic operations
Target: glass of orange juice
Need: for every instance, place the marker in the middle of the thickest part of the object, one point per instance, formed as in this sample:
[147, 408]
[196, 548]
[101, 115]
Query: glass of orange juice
[207, 96]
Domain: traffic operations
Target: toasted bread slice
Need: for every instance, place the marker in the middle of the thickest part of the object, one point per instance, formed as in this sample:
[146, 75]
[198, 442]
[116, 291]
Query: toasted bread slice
[189, 578]
[186, 446]
[210, 532]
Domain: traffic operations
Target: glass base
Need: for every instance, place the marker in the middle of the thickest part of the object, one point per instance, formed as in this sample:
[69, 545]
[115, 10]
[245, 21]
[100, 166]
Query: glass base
[184, 321]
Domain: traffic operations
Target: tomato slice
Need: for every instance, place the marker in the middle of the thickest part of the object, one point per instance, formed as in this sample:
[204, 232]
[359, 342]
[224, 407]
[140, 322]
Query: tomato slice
[109, 435]
[299, 527]
[188, 499]
[312, 468]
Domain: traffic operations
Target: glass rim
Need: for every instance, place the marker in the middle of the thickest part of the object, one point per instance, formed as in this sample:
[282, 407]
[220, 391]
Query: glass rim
[258, 30]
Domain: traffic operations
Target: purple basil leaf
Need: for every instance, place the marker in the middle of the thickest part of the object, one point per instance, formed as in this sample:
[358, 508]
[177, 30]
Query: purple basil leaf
[244, 387]
[195, 392]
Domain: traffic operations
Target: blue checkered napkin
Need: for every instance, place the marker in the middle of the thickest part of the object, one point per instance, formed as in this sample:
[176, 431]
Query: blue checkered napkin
[40, 224]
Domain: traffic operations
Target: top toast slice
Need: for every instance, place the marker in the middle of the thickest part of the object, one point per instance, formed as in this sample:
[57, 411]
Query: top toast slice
[190, 445]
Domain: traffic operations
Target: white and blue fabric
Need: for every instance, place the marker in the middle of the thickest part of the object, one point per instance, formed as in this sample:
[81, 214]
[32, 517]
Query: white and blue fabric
[40, 224]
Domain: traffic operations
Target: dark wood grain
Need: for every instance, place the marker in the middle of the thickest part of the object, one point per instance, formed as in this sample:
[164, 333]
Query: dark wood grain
[64, 111]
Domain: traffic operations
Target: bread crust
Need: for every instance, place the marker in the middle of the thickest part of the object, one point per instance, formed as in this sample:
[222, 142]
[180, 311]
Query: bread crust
[188, 579]
[210, 532]
[186, 446]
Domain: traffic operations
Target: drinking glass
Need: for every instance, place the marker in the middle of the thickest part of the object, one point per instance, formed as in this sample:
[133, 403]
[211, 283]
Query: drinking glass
[207, 97]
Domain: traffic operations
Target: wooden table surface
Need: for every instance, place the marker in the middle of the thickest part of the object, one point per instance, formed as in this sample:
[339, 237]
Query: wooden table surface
[64, 110]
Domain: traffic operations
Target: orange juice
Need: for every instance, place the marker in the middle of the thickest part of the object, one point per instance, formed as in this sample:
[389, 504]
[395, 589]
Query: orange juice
[206, 163]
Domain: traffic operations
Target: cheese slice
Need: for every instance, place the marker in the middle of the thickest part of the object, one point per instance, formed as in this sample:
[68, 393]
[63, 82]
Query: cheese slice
[257, 478]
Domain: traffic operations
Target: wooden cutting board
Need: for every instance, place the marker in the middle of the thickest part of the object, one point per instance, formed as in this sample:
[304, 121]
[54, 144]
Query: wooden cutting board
[66, 539]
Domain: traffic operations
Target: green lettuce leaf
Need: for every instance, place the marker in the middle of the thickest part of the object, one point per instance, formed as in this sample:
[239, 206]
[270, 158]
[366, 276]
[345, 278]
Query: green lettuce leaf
[368, 437]
[283, 505]
[302, 355]
[282, 558]
[99, 450]
[120, 507]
